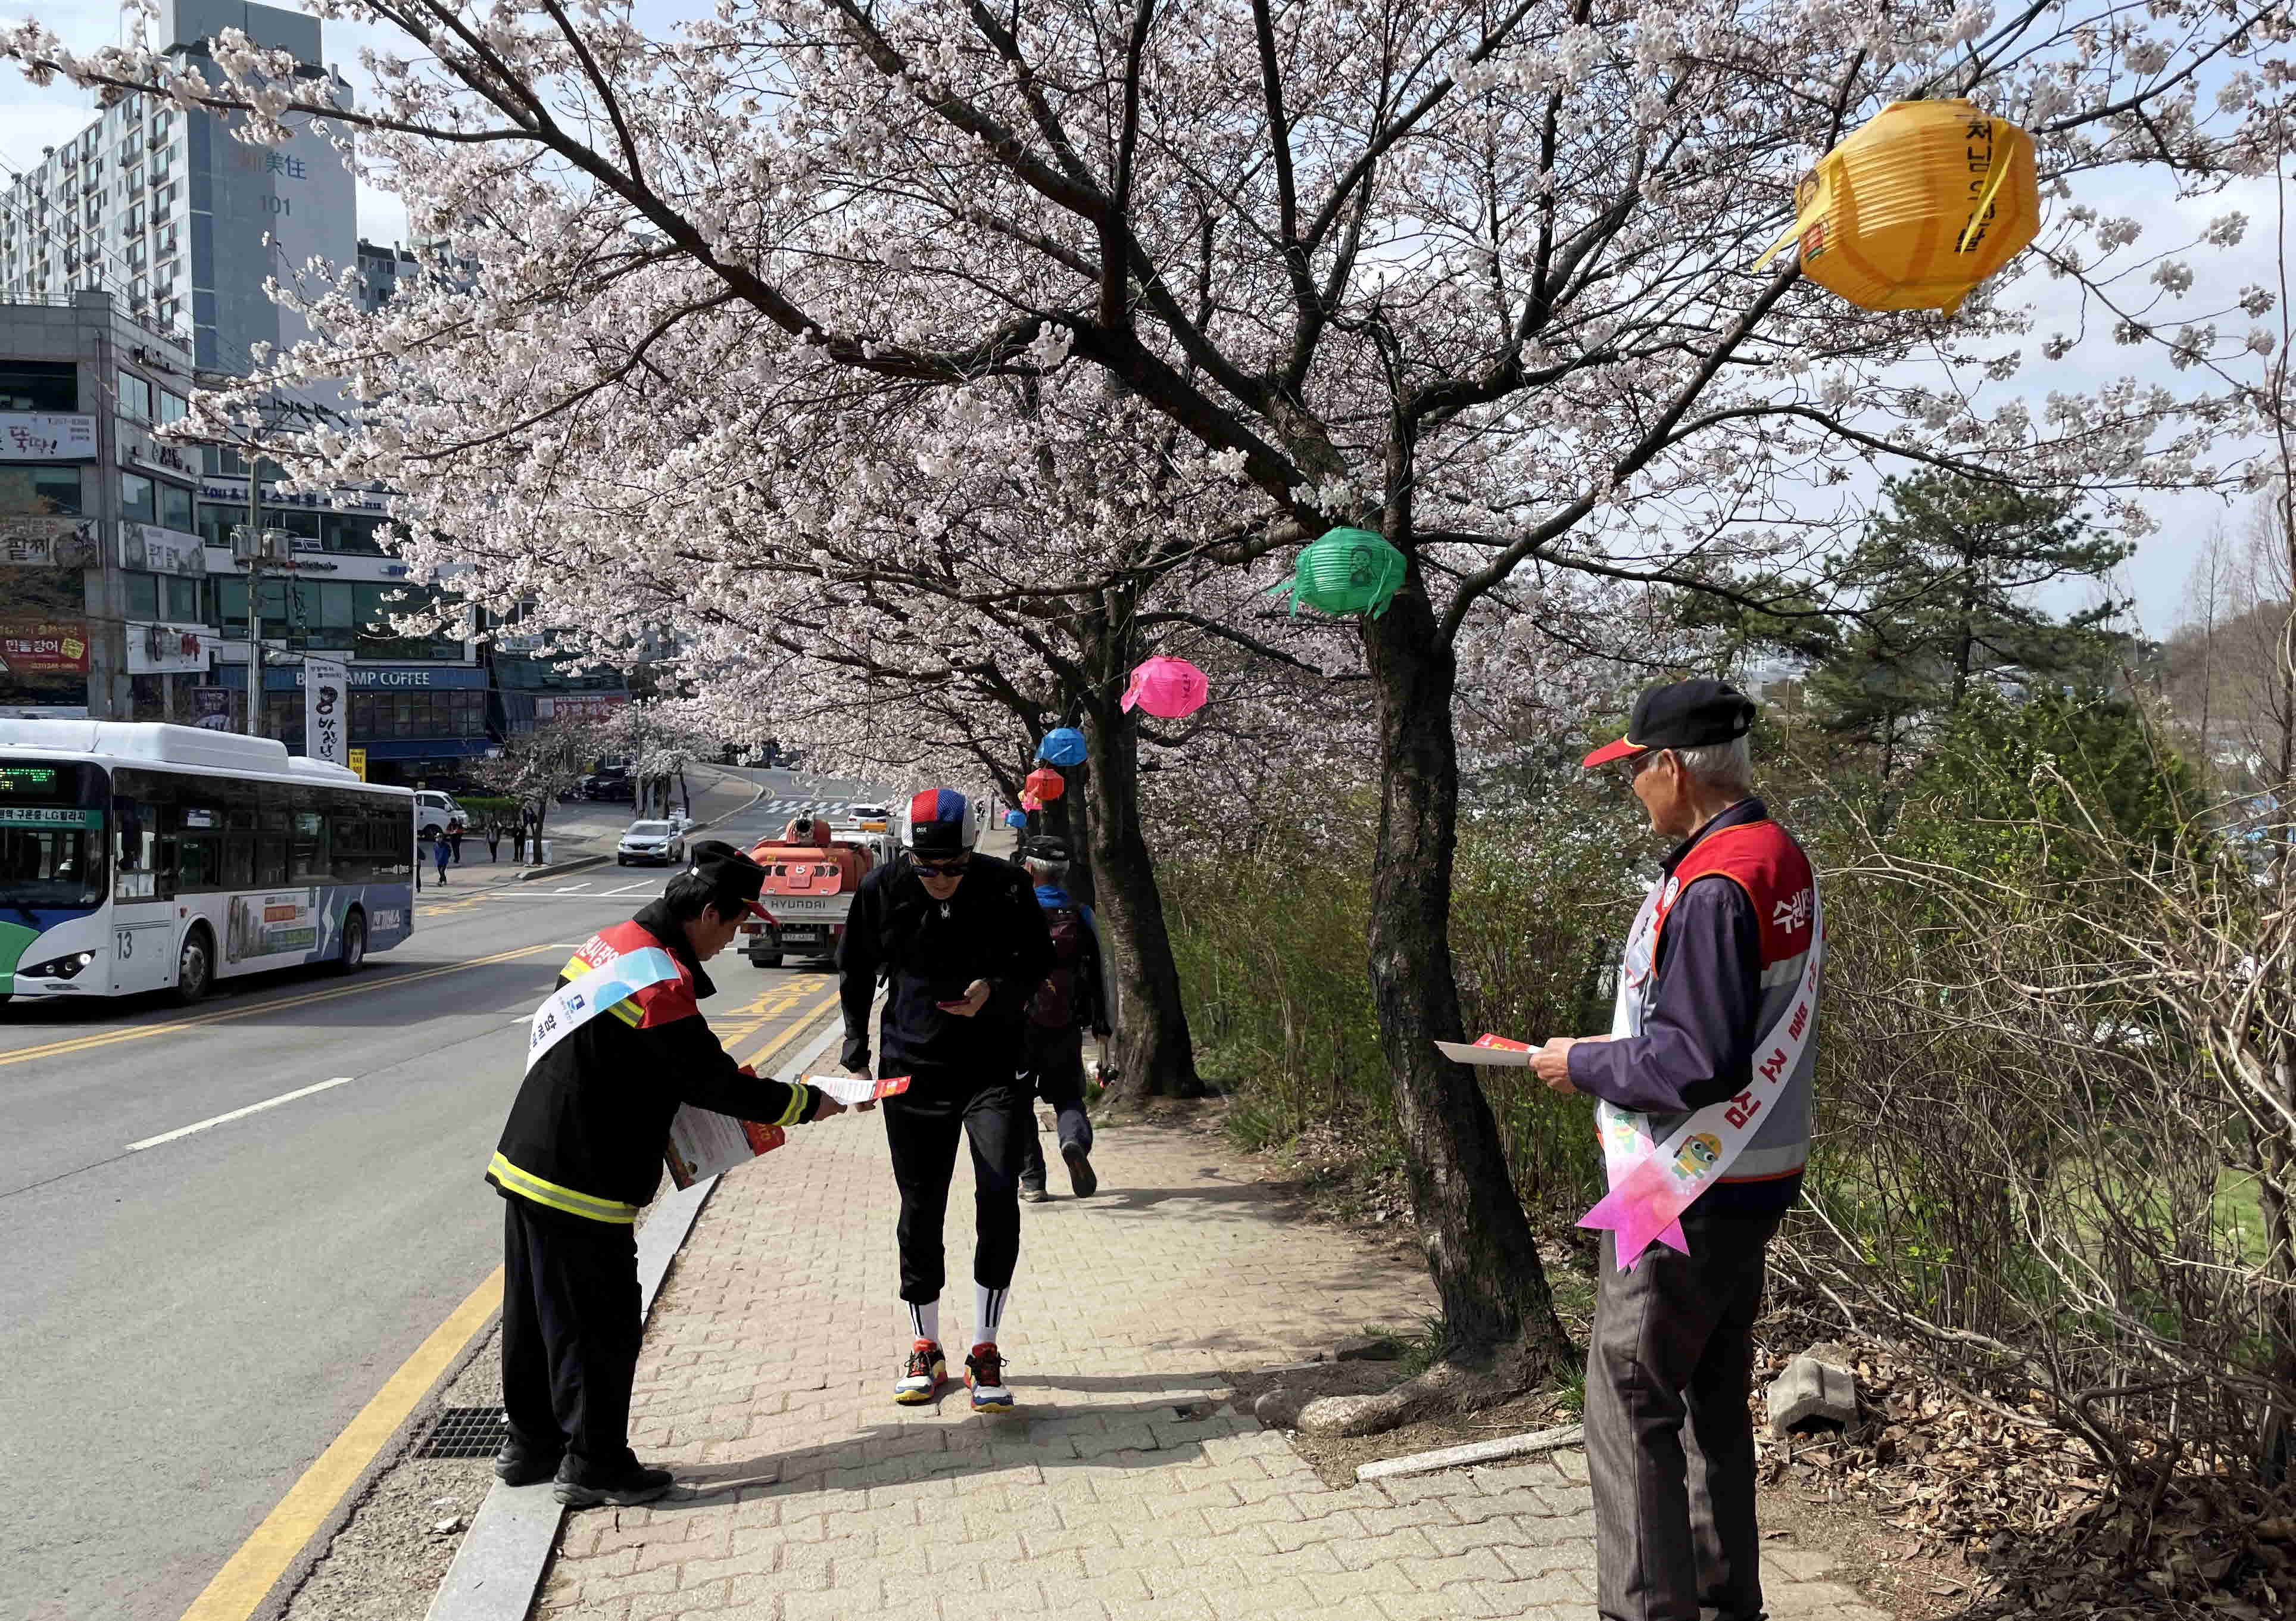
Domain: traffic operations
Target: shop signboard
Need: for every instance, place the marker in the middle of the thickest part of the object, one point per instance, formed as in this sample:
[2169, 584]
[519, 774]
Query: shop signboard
[44, 646]
[160, 455]
[161, 551]
[40, 541]
[358, 762]
[583, 706]
[160, 648]
[211, 708]
[327, 710]
[32, 436]
[233, 492]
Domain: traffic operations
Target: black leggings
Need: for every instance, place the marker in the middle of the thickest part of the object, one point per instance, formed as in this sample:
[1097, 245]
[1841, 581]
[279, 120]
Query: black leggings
[922, 1126]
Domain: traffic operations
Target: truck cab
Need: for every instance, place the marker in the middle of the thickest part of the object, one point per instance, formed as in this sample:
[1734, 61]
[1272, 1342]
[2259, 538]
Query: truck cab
[812, 871]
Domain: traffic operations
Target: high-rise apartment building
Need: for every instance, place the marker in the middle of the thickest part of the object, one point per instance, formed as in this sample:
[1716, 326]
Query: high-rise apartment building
[179, 221]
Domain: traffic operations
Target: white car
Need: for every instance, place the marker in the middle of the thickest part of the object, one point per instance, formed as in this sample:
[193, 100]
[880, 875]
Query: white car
[650, 841]
[433, 810]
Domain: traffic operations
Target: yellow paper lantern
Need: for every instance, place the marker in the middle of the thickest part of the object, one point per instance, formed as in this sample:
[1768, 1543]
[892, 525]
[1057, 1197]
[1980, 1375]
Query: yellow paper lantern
[1917, 208]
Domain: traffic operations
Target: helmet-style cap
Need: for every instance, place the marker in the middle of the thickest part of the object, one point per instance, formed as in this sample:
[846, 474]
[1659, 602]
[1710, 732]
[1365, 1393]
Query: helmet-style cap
[731, 876]
[940, 823]
[1681, 715]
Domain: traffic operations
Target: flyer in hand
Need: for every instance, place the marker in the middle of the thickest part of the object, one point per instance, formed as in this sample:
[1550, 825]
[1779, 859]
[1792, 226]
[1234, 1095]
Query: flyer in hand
[853, 1089]
[1494, 1051]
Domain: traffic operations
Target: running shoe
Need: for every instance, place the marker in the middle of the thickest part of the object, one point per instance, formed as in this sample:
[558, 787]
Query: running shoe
[1083, 1181]
[984, 1371]
[1033, 1193]
[921, 1381]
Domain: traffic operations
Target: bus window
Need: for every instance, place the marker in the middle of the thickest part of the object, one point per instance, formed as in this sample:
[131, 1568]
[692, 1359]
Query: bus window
[140, 871]
[307, 848]
[271, 861]
[199, 866]
[239, 860]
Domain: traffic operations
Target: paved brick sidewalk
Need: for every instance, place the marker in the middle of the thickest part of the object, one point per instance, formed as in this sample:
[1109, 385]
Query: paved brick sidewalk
[1115, 1492]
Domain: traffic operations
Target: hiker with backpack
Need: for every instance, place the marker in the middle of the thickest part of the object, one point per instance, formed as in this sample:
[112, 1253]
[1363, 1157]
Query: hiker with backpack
[1073, 995]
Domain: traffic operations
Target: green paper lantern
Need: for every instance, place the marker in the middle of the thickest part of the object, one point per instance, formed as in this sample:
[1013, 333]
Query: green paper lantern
[1347, 571]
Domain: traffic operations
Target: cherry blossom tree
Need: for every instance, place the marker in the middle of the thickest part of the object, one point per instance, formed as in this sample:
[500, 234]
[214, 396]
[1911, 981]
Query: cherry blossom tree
[1478, 276]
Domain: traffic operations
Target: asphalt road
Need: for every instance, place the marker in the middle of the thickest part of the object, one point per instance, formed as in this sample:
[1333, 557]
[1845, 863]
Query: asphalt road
[184, 1327]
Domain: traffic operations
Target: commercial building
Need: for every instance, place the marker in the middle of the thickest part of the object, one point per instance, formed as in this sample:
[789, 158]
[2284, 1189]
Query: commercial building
[102, 576]
[120, 596]
[182, 224]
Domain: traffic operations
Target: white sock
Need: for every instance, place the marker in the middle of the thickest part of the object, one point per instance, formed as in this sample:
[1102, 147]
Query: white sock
[923, 1322]
[987, 1313]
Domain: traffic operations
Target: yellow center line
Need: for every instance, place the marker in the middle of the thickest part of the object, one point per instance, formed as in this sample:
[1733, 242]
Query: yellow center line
[170, 1026]
[799, 1026]
[264, 1557]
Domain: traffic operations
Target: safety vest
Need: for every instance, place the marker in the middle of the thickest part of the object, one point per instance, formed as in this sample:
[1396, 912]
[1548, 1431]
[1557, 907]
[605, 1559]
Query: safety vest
[1762, 858]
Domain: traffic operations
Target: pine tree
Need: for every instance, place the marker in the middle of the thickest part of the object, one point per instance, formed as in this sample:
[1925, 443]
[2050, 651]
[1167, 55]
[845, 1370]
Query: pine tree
[1948, 576]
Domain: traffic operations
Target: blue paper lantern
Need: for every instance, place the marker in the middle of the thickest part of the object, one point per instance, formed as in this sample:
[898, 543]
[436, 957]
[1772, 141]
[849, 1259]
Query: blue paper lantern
[1064, 745]
[1016, 818]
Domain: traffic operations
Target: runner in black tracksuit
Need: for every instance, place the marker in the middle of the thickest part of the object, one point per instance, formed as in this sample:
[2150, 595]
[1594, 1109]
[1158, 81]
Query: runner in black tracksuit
[961, 944]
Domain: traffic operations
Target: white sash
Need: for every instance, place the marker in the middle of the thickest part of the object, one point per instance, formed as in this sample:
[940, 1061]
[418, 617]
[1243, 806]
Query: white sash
[1651, 1185]
[574, 1005]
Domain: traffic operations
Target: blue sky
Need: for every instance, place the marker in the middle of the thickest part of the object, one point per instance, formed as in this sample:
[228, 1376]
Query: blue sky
[32, 118]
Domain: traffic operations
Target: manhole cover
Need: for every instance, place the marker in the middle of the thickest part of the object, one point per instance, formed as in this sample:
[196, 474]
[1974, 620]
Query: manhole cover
[464, 1432]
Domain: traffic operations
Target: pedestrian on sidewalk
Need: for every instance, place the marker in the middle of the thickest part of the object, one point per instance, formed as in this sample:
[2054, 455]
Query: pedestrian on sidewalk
[962, 945]
[494, 836]
[518, 839]
[455, 839]
[1719, 970]
[439, 851]
[1073, 996]
[582, 1152]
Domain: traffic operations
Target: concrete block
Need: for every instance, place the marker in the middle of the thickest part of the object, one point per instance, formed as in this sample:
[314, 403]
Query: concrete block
[1812, 1395]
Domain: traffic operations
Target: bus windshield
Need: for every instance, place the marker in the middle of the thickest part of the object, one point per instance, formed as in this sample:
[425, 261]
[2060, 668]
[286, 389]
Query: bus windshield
[52, 835]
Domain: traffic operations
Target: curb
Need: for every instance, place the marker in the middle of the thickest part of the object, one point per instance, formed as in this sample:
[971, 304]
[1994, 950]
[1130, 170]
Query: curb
[1473, 1451]
[388, 1456]
[508, 1549]
[556, 868]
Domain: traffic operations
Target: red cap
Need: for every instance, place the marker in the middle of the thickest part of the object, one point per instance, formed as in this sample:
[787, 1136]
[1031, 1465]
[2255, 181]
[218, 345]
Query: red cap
[1620, 750]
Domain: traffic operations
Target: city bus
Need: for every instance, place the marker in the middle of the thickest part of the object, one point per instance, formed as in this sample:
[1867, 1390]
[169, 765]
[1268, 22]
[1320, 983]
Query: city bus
[141, 857]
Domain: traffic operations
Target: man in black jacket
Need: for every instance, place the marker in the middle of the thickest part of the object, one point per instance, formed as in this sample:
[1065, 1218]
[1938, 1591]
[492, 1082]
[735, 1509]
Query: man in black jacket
[609, 1058]
[961, 946]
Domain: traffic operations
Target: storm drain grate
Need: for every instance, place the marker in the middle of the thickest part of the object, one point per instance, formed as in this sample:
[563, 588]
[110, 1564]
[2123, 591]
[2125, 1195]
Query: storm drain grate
[464, 1432]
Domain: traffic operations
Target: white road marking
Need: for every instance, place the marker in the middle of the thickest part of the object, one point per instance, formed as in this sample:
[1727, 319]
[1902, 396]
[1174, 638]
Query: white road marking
[572, 889]
[628, 889]
[269, 1103]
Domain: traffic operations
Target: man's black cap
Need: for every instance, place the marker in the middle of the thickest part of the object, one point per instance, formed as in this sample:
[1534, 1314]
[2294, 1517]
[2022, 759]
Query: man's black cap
[1047, 849]
[731, 875]
[1681, 715]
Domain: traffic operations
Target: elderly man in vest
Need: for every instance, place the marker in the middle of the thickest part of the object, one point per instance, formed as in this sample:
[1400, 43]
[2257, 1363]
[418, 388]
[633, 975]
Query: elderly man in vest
[1703, 1096]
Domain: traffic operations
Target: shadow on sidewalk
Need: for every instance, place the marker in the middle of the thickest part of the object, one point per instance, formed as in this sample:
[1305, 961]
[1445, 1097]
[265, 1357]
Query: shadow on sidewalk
[1138, 1435]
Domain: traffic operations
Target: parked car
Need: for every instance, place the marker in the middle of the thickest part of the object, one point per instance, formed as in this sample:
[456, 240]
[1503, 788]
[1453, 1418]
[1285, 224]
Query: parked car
[650, 841]
[434, 810]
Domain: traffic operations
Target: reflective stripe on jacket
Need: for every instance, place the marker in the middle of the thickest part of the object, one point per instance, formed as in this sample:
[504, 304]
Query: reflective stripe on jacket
[585, 1134]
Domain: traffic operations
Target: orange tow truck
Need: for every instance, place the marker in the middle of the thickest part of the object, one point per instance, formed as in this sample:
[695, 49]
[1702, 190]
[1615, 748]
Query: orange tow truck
[812, 871]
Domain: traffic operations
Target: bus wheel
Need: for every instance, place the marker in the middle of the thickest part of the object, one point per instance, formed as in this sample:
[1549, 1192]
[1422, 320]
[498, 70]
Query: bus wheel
[195, 966]
[354, 943]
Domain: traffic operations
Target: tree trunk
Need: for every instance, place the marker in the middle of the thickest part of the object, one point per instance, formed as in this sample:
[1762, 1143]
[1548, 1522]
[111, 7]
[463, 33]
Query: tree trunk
[1493, 1290]
[1154, 1053]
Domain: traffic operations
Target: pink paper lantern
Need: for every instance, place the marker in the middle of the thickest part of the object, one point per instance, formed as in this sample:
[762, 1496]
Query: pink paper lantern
[1168, 689]
[1029, 801]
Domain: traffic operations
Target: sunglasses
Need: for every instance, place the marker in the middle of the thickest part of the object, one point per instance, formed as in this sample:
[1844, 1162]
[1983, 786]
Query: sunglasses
[940, 869]
[1635, 765]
